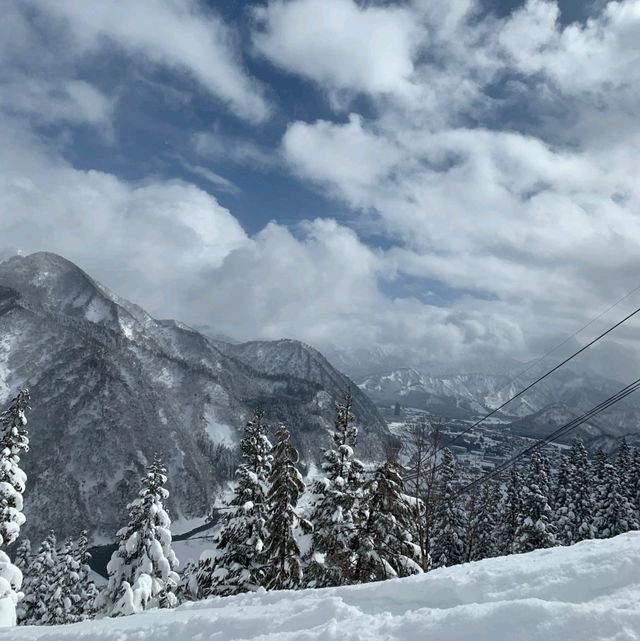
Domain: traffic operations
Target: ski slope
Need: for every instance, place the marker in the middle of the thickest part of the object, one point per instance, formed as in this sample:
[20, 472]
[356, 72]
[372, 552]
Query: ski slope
[588, 592]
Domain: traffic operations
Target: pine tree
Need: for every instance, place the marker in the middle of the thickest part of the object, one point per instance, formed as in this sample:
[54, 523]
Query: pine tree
[283, 565]
[13, 441]
[84, 592]
[334, 506]
[614, 513]
[386, 548]
[448, 536]
[536, 529]
[236, 566]
[624, 465]
[62, 608]
[483, 543]
[42, 600]
[511, 508]
[142, 571]
[23, 555]
[574, 511]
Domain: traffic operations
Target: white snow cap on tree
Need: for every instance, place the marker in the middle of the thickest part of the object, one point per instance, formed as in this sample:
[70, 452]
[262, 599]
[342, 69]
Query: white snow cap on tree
[142, 571]
[236, 566]
[13, 441]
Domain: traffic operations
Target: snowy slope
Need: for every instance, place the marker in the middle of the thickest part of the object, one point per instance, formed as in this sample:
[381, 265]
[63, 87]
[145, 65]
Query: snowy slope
[589, 592]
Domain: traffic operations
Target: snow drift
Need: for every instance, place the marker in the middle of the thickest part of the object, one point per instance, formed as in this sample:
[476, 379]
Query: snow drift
[590, 591]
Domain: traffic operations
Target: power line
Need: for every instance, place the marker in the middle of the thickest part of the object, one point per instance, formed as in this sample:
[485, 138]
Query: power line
[561, 431]
[538, 380]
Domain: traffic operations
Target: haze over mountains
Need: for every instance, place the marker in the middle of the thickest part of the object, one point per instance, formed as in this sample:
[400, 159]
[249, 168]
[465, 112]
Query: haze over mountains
[111, 385]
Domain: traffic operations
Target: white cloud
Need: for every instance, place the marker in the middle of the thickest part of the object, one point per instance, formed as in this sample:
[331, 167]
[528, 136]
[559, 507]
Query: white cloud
[540, 233]
[339, 44]
[178, 35]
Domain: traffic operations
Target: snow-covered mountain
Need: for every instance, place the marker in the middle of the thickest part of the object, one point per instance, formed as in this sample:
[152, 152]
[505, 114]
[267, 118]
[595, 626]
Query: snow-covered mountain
[111, 385]
[590, 590]
[551, 403]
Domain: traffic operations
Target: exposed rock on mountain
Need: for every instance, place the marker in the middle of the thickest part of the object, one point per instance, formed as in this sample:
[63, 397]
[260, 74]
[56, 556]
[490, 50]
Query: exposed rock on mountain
[111, 385]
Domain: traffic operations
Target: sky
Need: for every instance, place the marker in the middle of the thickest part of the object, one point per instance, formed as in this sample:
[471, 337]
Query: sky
[456, 179]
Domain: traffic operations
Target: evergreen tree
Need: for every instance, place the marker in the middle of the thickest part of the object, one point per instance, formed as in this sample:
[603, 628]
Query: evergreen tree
[283, 564]
[142, 571]
[386, 548]
[535, 529]
[42, 601]
[624, 465]
[511, 508]
[13, 441]
[84, 593]
[62, 610]
[236, 565]
[334, 507]
[483, 543]
[448, 535]
[574, 512]
[23, 555]
[615, 514]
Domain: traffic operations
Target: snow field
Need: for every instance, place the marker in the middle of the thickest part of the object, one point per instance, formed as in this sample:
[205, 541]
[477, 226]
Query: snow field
[587, 592]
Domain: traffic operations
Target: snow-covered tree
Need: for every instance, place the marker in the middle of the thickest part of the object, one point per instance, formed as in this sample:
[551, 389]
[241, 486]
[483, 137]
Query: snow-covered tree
[283, 564]
[482, 541]
[624, 469]
[448, 533]
[334, 506]
[574, 498]
[236, 564]
[510, 509]
[61, 608]
[536, 529]
[614, 512]
[142, 571]
[386, 548]
[42, 596]
[13, 441]
[22, 556]
[83, 592]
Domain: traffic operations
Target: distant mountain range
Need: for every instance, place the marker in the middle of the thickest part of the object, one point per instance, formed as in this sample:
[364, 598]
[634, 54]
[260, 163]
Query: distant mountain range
[111, 385]
[548, 405]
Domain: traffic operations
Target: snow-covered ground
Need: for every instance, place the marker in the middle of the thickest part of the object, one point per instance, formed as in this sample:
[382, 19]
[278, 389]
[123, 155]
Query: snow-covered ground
[588, 592]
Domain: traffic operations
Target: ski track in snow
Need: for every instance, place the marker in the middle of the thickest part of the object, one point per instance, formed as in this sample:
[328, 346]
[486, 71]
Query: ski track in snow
[588, 592]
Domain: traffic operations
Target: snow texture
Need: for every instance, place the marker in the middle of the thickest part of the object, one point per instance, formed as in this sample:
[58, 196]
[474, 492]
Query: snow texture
[588, 591]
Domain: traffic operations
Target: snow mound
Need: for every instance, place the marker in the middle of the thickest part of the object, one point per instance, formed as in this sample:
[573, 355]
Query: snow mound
[590, 592]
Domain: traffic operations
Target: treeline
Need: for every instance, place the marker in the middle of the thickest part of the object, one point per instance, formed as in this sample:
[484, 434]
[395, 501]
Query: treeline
[350, 525]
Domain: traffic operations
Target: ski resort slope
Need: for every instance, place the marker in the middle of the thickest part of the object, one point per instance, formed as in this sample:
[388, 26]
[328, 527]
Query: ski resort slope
[587, 592]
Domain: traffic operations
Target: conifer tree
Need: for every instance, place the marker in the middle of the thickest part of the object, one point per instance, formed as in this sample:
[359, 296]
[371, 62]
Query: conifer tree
[536, 529]
[42, 602]
[142, 571]
[483, 544]
[386, 548]
[84, 593]
[23, 555]
[63, 606]
[511, 508]
[283, 564]
[574, 511]
[624, 463]
[448, 535]
[334, 508]
[614, 512]
[13, 441]
[236, 566]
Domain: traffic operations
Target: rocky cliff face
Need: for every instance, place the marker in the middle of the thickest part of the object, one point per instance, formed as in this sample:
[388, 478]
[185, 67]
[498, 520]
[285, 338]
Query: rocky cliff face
[111, 386]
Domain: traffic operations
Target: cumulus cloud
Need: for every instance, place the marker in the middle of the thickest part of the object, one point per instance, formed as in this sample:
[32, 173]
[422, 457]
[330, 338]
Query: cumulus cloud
[539, 214]
[340, 44]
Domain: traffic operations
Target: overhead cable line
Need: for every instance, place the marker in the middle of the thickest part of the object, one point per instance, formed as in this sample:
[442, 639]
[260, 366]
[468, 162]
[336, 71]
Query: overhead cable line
[541, 378]
[561, 431]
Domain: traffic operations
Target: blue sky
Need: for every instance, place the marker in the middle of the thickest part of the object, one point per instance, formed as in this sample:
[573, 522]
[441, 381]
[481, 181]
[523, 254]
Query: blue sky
[454, 179]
